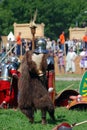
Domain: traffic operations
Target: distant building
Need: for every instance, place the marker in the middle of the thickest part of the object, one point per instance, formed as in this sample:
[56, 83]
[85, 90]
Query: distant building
[26, 30]
[77, 33]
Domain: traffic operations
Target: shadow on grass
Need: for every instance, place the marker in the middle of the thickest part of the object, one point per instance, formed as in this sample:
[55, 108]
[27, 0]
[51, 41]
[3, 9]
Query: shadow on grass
[61, 118]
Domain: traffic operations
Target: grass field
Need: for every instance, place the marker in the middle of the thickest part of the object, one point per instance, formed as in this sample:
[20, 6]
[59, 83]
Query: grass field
[15, 120]
[69, 75]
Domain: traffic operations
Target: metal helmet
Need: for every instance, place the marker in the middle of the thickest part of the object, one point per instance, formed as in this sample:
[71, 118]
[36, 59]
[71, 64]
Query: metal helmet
[14, 66]
[13, 59]
[14, 62]
[64, 126]
[40, 46]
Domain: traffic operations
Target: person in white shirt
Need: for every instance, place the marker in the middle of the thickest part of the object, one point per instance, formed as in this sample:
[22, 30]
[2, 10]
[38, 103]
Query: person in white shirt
[70, 61]
[83, 61]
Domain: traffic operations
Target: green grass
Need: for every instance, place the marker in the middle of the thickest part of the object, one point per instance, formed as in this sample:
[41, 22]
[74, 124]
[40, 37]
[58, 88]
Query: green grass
[61, 85]
[15, 120]
[69, 75]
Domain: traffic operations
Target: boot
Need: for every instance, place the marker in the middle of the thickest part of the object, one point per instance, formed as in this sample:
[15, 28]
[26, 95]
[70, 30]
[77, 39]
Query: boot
[44, 121]
[31, 120]
[3, 105]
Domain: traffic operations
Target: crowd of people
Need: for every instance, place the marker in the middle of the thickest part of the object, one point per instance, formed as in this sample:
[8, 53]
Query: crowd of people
[66, 50]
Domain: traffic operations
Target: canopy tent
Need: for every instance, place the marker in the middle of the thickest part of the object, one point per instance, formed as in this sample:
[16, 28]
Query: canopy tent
[11, 37]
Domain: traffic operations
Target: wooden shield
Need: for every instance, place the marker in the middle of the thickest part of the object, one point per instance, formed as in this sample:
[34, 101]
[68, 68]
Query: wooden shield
[83, 85]
[78, 104]
[62, 99]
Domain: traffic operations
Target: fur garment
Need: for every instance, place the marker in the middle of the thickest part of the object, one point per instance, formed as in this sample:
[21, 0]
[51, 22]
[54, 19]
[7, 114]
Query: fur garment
[32, 92]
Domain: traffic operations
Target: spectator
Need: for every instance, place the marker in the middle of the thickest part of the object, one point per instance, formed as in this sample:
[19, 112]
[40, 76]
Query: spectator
[23, 45]
[83, 61]
[85, 40]
[61, 63]
[29, 44]
[58, 41]
[27, 47]
[18, 39]
[70, 61]
[49, 44]
[55, 46]
[62, 40]
[66, 46]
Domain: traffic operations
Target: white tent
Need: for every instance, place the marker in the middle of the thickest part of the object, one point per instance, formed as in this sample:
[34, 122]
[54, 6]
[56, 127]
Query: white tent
[11, 37]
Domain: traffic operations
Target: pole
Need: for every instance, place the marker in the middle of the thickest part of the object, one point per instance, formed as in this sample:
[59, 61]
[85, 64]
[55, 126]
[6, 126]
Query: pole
[77, 124]
[7, 53]
[66, 88]
[33, 31]
[66, 125]
[33, 38]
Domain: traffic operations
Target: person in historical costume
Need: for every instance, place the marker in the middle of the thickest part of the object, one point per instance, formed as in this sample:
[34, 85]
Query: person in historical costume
[8, 82]
[61, 61]
[37, 76]
[83, 61]
[70, 61]
[49, 73]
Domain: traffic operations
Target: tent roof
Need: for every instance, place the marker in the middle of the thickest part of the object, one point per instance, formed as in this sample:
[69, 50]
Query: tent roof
[11, 37]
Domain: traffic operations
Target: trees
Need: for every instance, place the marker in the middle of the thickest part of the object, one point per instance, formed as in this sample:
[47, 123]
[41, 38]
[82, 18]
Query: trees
[56, 15]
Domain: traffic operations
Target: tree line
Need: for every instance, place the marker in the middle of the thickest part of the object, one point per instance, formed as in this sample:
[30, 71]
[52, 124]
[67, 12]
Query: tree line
[57, 15]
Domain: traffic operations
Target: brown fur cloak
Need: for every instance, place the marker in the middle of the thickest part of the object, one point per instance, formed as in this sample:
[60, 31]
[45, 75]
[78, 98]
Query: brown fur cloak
[32, 92]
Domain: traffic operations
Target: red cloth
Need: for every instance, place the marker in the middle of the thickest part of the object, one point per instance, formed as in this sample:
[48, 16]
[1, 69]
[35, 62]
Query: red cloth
[4, 85]
[10, 97]
[2, 96]
[51, 82]
[4, 88]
